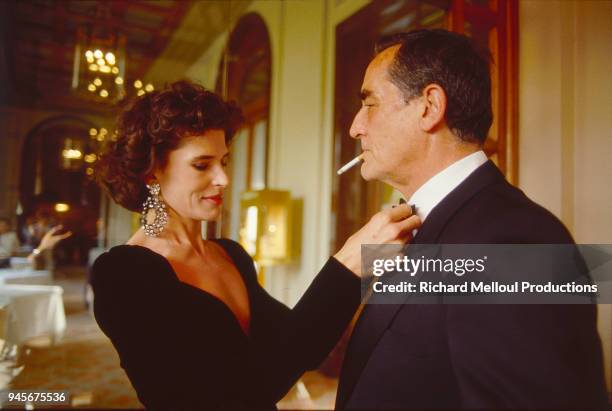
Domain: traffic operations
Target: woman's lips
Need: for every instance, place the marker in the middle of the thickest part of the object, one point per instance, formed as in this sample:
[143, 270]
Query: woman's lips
[215, 199]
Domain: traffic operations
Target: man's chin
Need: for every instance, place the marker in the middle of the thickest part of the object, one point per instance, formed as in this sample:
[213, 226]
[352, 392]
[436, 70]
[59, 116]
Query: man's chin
[367, 174]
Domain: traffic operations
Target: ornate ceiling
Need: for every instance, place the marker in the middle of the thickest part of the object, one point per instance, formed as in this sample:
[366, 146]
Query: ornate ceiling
[38, 39]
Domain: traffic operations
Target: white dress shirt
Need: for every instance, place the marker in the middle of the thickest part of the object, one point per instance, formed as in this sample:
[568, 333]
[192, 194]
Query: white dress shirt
[439, 186]
[8, 244]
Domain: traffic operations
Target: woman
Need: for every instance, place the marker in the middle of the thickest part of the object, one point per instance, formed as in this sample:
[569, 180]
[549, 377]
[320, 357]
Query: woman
[193, 328]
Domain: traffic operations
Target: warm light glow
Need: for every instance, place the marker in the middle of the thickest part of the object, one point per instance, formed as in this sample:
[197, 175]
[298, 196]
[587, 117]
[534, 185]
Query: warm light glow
[100, 137]
[89, 171]
[62, 207]
[103, 131]
[90, 158]
[140, 92]
[96, 58]
[110, 58]
[138, 84]
[271, 227]
[250, 232]
[93, 132]
[72, 154]
[149, 87]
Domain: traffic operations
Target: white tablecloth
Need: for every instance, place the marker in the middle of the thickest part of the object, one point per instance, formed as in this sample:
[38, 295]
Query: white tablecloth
[25, 276]
[32, 311]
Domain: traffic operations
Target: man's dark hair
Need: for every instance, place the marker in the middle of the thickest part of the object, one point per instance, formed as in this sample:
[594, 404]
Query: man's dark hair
[453, 62]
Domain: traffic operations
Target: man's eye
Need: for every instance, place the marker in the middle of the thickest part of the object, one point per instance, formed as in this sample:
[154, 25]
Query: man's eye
[225, 162]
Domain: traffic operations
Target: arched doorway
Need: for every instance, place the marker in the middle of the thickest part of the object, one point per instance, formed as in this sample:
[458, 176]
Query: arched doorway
[56, 183]
[245, 74]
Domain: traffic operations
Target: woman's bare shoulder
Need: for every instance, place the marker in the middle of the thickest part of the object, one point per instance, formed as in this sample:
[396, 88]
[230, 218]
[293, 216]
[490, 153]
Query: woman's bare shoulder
[131, 260]
[140, 240]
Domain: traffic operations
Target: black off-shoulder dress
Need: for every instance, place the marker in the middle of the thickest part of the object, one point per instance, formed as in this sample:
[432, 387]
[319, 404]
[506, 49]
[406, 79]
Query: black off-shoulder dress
[182, 348]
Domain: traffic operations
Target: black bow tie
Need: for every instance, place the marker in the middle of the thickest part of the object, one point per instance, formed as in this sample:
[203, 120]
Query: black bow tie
[412, 206]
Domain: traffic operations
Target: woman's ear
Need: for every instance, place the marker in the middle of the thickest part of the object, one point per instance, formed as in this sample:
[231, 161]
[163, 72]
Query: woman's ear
[150, 179]
[153, 176]
[434, 100]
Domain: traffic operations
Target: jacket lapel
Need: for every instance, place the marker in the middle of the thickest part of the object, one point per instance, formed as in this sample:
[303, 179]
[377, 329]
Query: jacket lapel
[376, 318]
[442, 214]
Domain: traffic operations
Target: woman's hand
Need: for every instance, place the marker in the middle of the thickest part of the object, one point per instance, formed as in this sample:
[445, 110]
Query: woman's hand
[391, 226]
[51, 238]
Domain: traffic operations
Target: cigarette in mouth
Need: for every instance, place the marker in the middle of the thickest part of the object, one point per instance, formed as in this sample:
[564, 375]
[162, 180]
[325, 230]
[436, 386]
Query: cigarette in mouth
[350, 164]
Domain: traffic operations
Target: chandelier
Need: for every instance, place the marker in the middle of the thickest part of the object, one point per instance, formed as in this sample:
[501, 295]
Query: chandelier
[79, 152]
[99, 66]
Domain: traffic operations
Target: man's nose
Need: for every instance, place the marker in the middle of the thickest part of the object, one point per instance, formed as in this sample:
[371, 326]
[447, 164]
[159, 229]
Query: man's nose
[357, 129]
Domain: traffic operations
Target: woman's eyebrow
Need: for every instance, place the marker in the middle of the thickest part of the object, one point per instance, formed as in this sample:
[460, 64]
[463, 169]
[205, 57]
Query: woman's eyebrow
[208, 157]
[204, 157]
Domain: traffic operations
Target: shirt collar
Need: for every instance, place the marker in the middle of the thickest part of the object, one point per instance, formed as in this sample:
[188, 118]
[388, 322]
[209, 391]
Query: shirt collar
[439, 186]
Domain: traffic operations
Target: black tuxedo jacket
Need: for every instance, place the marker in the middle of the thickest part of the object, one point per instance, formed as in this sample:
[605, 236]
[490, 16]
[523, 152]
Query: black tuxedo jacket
[477, 356]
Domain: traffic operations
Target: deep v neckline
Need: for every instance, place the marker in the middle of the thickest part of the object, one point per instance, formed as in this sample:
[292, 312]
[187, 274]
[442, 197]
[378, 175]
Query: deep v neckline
[210, 295]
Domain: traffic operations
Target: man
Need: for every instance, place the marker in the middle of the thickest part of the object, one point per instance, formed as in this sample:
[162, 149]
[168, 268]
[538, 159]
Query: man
[425, 115]
[9, 243]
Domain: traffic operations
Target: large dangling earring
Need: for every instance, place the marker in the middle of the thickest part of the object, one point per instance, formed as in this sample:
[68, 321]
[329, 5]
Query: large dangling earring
[153, 205]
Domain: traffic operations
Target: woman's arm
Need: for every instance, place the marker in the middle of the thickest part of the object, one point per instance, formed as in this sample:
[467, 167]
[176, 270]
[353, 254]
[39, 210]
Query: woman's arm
[300, 339]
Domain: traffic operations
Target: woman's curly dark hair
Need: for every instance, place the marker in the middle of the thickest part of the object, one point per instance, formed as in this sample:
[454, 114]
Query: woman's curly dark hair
[151, 127]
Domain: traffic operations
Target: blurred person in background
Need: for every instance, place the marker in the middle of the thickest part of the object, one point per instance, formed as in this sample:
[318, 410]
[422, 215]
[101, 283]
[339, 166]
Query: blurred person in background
[9, 243]
[28, 233]
[35, 227]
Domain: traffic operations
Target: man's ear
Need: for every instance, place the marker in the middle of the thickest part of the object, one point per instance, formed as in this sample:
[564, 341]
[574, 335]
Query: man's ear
[434, 107]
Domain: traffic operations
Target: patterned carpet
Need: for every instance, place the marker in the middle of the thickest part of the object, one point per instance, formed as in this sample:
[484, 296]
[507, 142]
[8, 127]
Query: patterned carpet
[85, 363]
[88, 370]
